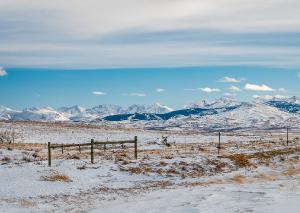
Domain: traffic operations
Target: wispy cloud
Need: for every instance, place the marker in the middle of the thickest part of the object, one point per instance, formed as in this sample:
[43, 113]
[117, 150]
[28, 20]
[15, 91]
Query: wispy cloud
[282, 90]
[52, 33]
[137, 94]
[255, 87]
[160, 90]
[209, 90]
[227, 94]
[98, 93]
[235, 89]
[2, 72]
[227, 79]
[189, 89]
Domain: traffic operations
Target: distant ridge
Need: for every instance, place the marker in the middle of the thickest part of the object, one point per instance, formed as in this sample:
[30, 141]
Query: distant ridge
[220, 113]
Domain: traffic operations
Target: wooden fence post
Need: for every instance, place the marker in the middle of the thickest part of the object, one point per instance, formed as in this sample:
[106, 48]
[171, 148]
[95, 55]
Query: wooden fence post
[79, 148]
[49, 154]
[92, 150]
[62, 149]
[287, 136]
[219, 145]
[135, 147]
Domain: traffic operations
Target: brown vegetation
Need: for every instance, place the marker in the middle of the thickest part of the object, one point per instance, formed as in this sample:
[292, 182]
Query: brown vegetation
[56, 177]
[240, 160]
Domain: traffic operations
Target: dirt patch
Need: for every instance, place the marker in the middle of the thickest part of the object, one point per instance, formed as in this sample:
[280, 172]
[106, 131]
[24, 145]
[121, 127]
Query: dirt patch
[56, 177]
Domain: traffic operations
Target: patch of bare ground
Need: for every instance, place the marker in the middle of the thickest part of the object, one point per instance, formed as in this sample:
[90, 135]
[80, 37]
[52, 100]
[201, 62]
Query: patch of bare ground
[56, 177]
[142, 187]
[181, 169]
[265, 177]
[243, 160]
[27, 203]
[202, 183]
[291, 171]
[240, 160]
[240, 179]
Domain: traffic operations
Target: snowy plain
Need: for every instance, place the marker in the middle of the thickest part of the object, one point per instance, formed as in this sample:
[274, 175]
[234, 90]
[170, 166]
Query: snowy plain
[188, 176]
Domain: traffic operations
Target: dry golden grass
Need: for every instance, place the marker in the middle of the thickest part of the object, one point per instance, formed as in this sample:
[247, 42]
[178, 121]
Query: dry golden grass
[26, 203]
[264, 176]
[240, 179]
[56, 177]
[273, 153]
[240, 160]
[218, 164]
[291, 171]
[204, 183]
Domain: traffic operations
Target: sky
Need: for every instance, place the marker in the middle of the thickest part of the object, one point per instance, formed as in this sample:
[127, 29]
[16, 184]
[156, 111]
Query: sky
[72, 42]
[174, 87]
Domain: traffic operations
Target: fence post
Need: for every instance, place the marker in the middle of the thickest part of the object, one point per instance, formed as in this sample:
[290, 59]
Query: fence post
[92, 150]
[219, 145]
[49, 154]
[79, 149]
[135, 147]
[287, 136]
[62, 149]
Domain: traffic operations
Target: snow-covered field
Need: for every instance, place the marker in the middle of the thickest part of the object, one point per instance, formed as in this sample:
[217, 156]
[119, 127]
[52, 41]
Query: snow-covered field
[254, 172]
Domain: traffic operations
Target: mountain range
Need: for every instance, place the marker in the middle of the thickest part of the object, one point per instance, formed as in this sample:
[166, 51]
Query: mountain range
[222, 113]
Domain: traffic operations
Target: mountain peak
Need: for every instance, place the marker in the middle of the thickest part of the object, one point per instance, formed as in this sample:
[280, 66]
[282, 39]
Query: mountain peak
[217, 103]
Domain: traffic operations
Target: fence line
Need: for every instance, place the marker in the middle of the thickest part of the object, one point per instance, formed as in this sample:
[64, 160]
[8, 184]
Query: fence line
[91, 144]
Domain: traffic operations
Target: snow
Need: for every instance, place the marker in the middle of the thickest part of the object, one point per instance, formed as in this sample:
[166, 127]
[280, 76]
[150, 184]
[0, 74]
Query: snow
[261, 197]
[56, 133]
[188, 176]
[220, 114]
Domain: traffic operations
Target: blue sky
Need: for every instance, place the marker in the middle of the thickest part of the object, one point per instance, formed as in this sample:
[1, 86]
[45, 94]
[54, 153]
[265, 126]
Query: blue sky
[174, 87]
[42, 43]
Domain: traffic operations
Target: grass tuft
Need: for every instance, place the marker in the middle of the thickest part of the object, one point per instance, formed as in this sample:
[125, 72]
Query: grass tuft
[56, 177]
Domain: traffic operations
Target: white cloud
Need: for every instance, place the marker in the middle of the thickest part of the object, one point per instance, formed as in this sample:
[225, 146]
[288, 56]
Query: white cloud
[98, 93]
[235, 89]
[281, 90]
[137, 94]
[255, 87]
[190, 89]
[2, 72]
[227, 79]
[141, 33]
[209, 90]
[160, 90]
[227, 94]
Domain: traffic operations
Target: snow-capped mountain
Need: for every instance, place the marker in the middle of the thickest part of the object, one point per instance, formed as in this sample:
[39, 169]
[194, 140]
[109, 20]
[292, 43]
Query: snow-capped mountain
[6, 113]
[105, 110]
[39, 114]
[154, 108]
[217, 103]
[245, 115]
[223, 113]
[78, 113]
[71, 111]
[291, 105]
